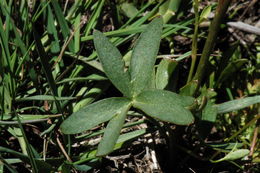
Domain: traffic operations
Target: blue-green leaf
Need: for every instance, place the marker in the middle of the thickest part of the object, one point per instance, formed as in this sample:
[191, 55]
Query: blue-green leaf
[94, 114]
[112, 132]
[112, 63]
[144, 56]
[165, 105]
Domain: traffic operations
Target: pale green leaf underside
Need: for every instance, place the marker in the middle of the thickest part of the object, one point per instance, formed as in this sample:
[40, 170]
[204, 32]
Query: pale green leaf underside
[163, 73]
[234, 155]
[112, 132]
[144, 56]
[166, 106]
[112, 63]
[94, 114]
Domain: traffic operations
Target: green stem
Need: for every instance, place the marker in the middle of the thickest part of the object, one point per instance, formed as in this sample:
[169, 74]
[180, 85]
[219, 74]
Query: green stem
[211, 39]
[194, 40]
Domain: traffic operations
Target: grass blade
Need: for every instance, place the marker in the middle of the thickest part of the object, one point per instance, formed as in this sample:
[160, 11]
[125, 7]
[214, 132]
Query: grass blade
[237, 104]
[63, 24]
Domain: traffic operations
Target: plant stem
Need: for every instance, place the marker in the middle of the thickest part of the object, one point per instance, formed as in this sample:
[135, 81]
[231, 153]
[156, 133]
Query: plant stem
[211, 39]
[194, 40]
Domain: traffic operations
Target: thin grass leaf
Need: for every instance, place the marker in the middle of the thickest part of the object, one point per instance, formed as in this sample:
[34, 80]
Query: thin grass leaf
[62, 22]
[234, 155]
[28, 147]
[4, 162]
[46, 68]
[165, 105]
[112, 63]
[144, 56]
[237, 104]
[92, 77]
[77, 24]
[92, 115]
[51, 29]
[112, 132]
[44, 98]
[92, 22]
[43, 166]
[230, 69]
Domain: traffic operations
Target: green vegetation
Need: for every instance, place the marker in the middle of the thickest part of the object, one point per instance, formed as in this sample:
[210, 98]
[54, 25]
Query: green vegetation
[73, 99]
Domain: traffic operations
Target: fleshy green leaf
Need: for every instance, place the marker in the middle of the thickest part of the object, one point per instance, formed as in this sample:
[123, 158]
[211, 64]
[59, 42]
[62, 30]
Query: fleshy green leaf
[234, 155]
[93, 114]
[112, 132]
[165, 106]
[209, 113]
[112, 63]
[144, 55]
[189, 89]
[164, 72]
[237, 104]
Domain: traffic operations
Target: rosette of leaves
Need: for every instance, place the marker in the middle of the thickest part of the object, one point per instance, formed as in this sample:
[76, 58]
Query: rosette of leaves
[135, 85]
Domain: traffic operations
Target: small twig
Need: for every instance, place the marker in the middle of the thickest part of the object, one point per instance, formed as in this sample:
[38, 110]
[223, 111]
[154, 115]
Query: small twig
[252, 148]
[169, 56]
[65, 6]
[173, 56]
[45, 145]
[62, 149]
[249, 6]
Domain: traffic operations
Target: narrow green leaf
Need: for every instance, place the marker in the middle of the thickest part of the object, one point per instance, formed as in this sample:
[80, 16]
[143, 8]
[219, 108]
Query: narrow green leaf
[231, 69]
[130, 135]
[144, 56]
[62, 22]
[237, 104]
[129, 9]
[209, 113]
[112, 132]
[164, 72]
[46, 67]
[41, 165]
[237, 154]
[225, 146]
[77, 32]
[51, 29]
[93, 114]
[189, 89]
[205, 13]
[92, 77]
[234, 155]
[94, 17]
[45, 97]
[165, 106]
[27, 146]
[112, 63]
